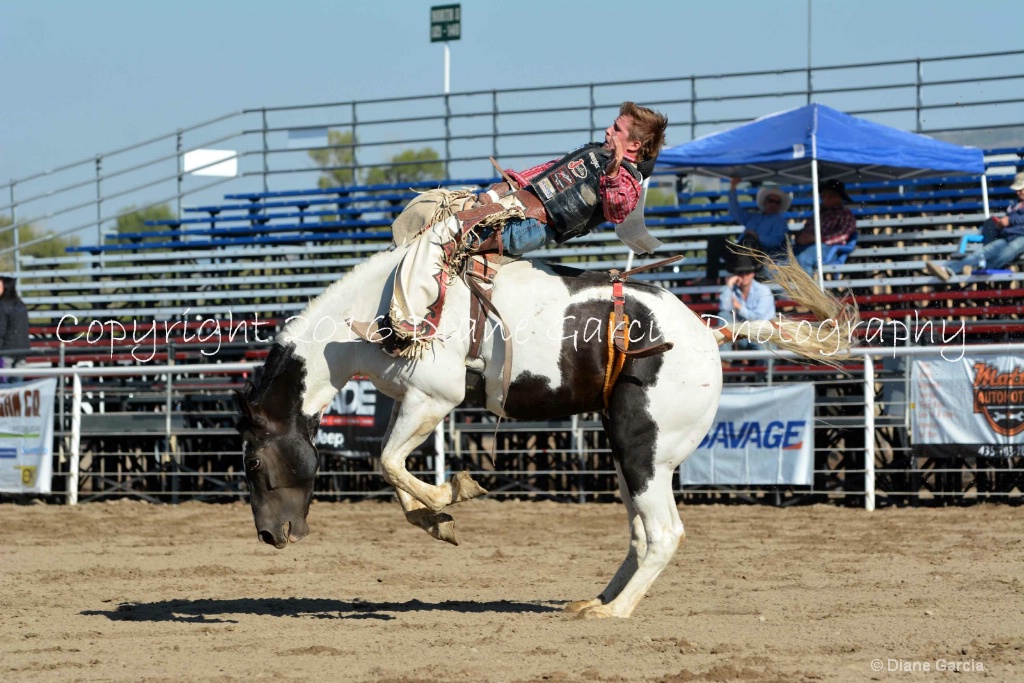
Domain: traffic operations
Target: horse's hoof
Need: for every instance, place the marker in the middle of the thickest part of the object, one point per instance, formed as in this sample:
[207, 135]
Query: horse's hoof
[596, 612]
[444, 530]
[580, 605]
[464, 488]
[440, 525]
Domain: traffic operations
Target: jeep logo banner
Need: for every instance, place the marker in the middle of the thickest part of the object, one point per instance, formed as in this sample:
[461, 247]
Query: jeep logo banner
[761, 436]
[353, 424]
[972, 406]
[26, 436]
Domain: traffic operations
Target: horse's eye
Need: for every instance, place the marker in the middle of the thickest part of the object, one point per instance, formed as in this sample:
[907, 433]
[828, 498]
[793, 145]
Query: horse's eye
[252, 465]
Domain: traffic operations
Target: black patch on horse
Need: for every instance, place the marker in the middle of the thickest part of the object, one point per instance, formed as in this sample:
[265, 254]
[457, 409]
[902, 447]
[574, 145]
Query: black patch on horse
[631, 430]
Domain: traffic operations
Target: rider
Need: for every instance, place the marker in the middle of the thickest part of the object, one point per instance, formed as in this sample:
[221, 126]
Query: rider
[568, 197]
[553, 202]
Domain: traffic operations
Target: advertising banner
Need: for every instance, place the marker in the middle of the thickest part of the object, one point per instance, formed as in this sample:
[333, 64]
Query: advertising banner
[26, 436]
[354, 423]
[761, 436]
[971, 406]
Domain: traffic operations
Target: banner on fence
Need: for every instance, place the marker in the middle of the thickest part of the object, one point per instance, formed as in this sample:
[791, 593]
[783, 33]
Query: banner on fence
[760, 436]
[971, 406]
[353, 424]
[26, 436]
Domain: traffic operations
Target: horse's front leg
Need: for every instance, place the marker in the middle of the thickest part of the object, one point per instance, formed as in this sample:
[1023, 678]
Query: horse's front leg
[412, 421]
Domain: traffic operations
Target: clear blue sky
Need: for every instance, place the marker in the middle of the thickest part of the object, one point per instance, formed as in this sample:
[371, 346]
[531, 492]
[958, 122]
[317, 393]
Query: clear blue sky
[82, 77]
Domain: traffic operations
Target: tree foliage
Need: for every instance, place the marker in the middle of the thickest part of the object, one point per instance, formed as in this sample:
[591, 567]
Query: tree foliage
[407, 166]
[339, 152]
[55, 246]
[134, 220]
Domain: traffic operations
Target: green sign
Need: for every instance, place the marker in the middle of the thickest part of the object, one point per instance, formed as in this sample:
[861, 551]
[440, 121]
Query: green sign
[445, 23]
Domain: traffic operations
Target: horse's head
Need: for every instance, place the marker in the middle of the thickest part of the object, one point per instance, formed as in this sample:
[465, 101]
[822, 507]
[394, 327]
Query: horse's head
[278, 449]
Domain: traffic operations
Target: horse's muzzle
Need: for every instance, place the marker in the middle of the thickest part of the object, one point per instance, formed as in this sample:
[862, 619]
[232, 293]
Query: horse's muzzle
[289, 532]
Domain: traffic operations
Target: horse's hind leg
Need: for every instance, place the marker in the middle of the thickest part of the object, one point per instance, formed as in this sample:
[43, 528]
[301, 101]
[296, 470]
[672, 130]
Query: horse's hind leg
[649, 435]
[634, 554]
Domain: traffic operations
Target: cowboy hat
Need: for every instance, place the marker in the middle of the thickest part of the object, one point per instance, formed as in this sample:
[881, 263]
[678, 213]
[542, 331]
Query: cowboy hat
[743, 264]
[836, 186]
[1018, 182]
[773, 191]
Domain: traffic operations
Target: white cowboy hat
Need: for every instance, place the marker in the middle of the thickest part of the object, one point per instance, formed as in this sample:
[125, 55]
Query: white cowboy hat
[1018, 182]
[771, 190]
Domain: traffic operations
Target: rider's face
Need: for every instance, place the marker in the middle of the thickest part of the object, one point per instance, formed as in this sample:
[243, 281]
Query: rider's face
[620, 130]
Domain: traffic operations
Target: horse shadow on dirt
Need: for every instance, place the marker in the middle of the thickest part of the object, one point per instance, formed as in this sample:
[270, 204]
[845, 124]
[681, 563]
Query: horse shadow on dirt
[210, 611]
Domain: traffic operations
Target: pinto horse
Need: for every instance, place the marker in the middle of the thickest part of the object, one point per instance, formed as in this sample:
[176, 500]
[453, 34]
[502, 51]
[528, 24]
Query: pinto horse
[655, 413]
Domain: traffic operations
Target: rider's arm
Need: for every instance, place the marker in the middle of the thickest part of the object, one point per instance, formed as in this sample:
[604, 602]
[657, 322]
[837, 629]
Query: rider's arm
[619, 195]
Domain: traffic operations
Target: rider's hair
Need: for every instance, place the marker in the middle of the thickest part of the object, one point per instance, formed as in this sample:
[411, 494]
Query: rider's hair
[648, 128]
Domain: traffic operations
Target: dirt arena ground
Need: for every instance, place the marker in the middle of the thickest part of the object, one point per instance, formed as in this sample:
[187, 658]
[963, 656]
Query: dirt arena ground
[131, 591]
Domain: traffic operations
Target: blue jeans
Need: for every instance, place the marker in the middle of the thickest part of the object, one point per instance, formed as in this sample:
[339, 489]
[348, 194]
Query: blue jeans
[999, 250]
[522, 236]
[807, 257]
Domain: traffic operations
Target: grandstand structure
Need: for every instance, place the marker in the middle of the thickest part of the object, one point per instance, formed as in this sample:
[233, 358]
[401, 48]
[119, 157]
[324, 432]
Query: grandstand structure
[249, 245]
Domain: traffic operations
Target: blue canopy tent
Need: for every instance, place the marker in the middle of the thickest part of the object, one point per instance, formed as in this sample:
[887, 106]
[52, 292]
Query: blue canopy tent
[816, 143]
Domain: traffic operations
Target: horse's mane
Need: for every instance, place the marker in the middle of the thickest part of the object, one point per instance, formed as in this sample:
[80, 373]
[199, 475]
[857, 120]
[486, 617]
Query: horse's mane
[272, 368]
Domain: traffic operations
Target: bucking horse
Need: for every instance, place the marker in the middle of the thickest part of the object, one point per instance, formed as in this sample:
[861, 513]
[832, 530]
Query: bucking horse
[548, 356]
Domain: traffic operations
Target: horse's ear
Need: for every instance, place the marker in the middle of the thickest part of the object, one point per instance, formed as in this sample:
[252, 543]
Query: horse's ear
[246, 409]
[242, 400]
[313, 427]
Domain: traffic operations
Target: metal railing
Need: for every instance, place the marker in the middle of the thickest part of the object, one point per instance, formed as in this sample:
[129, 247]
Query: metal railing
[85, 198]
[864, 413]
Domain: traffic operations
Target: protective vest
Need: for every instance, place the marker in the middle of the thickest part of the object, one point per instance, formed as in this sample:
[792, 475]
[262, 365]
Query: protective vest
[570, 190]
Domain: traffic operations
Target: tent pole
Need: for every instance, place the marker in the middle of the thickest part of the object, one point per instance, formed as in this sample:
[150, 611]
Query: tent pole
[984, 194]
[817, 220]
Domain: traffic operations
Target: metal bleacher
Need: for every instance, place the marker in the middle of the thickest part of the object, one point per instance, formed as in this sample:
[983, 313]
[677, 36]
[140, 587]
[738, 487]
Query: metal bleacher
[265, 254]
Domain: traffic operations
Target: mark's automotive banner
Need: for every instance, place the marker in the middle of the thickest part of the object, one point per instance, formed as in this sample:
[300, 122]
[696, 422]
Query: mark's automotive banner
[761, 436]
[26, 436]
[971, 406]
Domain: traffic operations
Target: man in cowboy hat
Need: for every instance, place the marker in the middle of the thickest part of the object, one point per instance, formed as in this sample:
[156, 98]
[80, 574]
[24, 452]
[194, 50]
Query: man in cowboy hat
[838, 225]
[744, 298]
[1002, 240]
[766, 230]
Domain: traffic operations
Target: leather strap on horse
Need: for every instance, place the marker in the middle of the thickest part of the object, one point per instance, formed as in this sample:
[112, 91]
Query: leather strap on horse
[484, 300]
[618, 330]
[508, 179]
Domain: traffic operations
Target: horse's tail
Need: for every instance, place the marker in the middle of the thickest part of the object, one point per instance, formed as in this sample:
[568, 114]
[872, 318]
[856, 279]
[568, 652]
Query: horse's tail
[827, 338]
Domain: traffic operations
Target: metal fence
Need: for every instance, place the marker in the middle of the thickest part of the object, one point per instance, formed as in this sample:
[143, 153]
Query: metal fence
[271, 145]
[184, 446]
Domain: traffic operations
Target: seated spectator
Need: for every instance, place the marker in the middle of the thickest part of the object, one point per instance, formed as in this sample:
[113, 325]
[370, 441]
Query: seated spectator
[837, 225]
[766, 229]
[1002, 241]
[744, 298]
[13, 325]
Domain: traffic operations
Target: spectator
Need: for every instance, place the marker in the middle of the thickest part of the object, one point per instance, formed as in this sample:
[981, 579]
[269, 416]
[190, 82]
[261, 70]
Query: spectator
[1002, 241]
[744, 298]
[765, 230]
[837, 225]
[13, 325]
